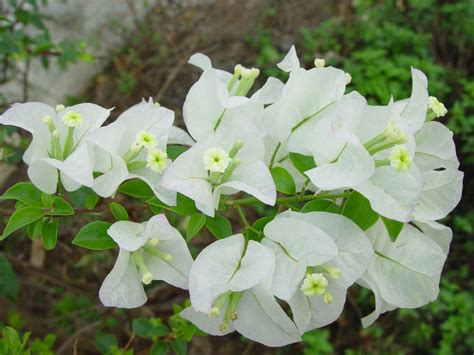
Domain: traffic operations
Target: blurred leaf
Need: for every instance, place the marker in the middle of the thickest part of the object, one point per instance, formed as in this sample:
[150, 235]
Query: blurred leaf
[136, 188]
[322, 206]
[91, 201]
[50, 233]
[160, 348]
[179, 346]
[9, 286]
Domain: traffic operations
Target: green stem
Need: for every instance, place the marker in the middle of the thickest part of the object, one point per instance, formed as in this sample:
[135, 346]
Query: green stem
[272, 160]
[249, 200]
[242, 216]
[219, 119]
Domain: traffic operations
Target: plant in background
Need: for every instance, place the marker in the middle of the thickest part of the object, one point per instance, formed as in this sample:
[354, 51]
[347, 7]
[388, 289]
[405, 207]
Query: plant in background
[362, 197]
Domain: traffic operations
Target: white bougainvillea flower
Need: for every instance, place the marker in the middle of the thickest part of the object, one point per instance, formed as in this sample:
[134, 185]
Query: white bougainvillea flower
[239, 151]
[134, 146]
[230, 289]
[152, 250]
[318, 255]
[405, 273]
[305, 95]
[214, 99]
[442, 181]
[59, 149]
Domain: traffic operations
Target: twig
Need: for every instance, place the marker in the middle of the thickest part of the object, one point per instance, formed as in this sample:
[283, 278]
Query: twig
[69, 341]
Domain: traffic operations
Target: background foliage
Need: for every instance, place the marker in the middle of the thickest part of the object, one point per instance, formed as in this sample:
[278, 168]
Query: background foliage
[376, 42]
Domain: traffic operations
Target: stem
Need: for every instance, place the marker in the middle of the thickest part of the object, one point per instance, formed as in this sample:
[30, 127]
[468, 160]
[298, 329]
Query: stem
[242, 216]
[249, 200]
[272, 160]
[219, 119]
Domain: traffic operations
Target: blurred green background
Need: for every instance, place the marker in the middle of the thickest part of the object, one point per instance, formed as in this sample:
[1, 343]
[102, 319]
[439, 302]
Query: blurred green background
[375, 41]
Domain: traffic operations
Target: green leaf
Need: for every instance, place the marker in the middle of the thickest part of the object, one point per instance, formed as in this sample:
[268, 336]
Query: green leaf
[175, 151]
[159, 330]
[91, 201]
[179, 346]
[47, 200]
[301, 162]
[60, 208]
[283, 180]
[9, 285]
[393, 227]
[258, 226]
[94, 236]
[21, 218]
[358, 209]
[50, 234]
[25, 192]
[136, 188]
[34, 229]
[141, 326]
[160, 348]
[103, 342]
[322, 206]
[219, 226]
[196, 222]
[118, 211]
[185, 206]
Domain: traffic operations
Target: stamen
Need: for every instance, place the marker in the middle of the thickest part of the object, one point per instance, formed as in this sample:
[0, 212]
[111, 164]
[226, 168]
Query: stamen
[219, 304]
[333, 272]
[133, 152]
[235, 149]
[147, 276]
[327, 297]
[48, 120]
[56, 146]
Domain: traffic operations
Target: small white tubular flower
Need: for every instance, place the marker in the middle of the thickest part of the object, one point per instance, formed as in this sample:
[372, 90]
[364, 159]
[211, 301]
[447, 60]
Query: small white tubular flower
[319, 63]
[157, 160]
[146, 139]
[229, 287]
[73, 119]
[314, 284]
[216, 160]
[394, 133]
[46, 169]
[400, 159]
[60, 108]
[318, 255]
[437, 107]
[141, 261]
[405, 273]
[348, 78]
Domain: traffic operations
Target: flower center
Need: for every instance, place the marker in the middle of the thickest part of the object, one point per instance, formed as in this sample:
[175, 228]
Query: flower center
[157, 160]
[220, 164]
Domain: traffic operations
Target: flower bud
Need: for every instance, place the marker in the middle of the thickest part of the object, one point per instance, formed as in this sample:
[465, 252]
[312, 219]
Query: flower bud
[437, 107]
[147, 278]
[60, 108]
[319, 63]
[348, 78]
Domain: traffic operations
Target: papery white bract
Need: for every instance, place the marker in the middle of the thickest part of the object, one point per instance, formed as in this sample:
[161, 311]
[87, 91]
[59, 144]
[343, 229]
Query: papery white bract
[318, 256]
[246, 171]
[405, 273]
[59, 150]
[230, 289]
[152, 250]
[134, 146]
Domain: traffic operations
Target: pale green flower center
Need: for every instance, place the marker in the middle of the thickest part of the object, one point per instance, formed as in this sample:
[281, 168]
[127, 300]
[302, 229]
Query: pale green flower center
[400, 159]
[216, 160]
[314, 284]
[157, 160]
[146, 139]
[73, 119]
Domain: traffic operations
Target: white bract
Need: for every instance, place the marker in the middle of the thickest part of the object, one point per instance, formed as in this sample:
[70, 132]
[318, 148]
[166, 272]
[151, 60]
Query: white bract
[318, 255]
[59, 150]
[134, 146]
[330, 142]
[225, 163]
[152, 250]
[230, 289]
[405, 273]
